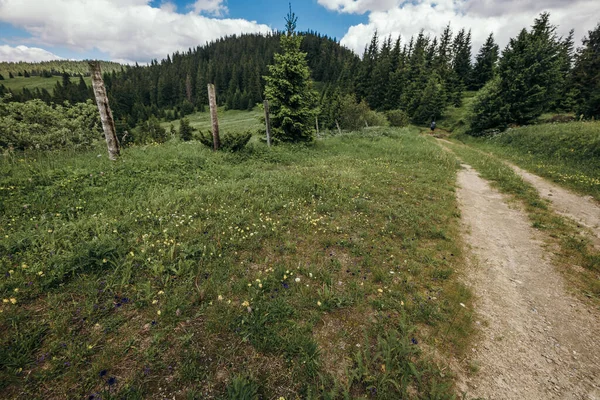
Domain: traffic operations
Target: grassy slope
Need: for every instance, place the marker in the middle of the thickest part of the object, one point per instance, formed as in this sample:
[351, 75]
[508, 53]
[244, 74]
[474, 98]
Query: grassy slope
[229, 121]
[295, 271]
[568, 154]
[18, 82]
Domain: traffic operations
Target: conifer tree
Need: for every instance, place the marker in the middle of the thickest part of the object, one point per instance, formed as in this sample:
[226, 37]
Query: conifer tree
[565, 100]
[586, 76]
[530, 71]
[292, 100]
[431, 102]
[186, 132]
[485, 63]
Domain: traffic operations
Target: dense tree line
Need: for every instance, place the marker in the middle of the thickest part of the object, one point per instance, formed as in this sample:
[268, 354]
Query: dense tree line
[538, 72]
[421, 77]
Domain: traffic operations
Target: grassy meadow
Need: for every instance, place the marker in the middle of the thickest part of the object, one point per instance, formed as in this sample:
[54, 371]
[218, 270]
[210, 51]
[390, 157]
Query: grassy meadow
[229, 121]
[324, 271]
[566, 153]
[18, 83]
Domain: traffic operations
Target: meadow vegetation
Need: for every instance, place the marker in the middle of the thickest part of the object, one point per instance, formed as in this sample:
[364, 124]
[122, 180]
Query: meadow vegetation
[327, 270]
[18, 83]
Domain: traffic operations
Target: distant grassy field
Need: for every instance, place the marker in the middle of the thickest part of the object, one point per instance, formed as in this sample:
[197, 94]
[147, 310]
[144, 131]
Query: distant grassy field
[323, 271]
[229, 121]
[567, 153]
[18, 83]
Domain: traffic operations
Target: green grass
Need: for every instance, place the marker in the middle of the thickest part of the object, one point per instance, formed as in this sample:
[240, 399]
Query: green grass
[576, 256]
[299, 271]
[229, 121]
[18, 83]
[567, 153]
[455, 118]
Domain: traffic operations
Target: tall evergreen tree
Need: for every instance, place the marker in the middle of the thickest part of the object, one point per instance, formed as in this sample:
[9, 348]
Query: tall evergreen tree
[289, 90]
[485, 63]
[530, 71]
[586, 76]
[461, 65]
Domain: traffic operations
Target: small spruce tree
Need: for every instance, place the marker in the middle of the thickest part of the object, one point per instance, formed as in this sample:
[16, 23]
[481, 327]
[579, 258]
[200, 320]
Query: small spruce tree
[292, 101]
[186, 132]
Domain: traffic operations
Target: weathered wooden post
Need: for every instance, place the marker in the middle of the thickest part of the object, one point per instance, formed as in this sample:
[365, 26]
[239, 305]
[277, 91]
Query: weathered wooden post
[267, 121]
[212, 100]
[108, 123]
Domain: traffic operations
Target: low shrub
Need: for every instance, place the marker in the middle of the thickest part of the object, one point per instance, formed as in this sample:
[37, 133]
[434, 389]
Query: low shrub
[231, 141]
[397, 118]
[37, 125]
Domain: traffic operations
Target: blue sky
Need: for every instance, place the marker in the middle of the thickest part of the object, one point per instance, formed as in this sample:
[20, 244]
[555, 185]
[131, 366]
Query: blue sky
[142, 30]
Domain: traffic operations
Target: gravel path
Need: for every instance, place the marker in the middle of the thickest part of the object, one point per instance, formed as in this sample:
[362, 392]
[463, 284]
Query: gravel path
[538, 341]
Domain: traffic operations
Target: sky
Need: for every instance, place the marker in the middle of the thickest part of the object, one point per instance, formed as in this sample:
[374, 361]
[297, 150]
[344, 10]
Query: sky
[131, 31]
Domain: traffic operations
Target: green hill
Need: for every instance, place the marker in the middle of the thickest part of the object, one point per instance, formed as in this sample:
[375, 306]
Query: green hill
[19, 83]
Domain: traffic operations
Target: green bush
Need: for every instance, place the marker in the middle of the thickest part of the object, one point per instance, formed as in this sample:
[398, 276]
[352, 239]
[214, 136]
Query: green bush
[37, 125]
[354, 116]
[397, 118]
[233, 141]
[375, 118]
[186, 132]
[151, 131]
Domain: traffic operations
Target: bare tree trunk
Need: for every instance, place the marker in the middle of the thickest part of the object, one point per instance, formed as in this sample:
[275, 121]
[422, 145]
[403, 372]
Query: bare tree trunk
[267, 121]
[338, 126]
[317, 124]
[212, 100]
[108, 123]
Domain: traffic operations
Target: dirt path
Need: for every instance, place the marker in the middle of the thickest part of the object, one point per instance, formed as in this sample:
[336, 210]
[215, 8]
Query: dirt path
[583, 210]
[538, 342]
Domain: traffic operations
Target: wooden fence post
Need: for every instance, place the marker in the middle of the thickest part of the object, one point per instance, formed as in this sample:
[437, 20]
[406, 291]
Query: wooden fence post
[267, 121]
[108, 123]
[212, 100]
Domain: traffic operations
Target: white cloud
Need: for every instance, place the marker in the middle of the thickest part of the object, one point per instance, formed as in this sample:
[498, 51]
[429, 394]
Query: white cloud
[124, 29]
[24, 53]
[505, 18]
[212, 7]
[359, 6]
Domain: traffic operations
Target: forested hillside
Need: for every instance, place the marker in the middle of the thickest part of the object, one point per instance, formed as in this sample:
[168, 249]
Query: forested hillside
[411, 81]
